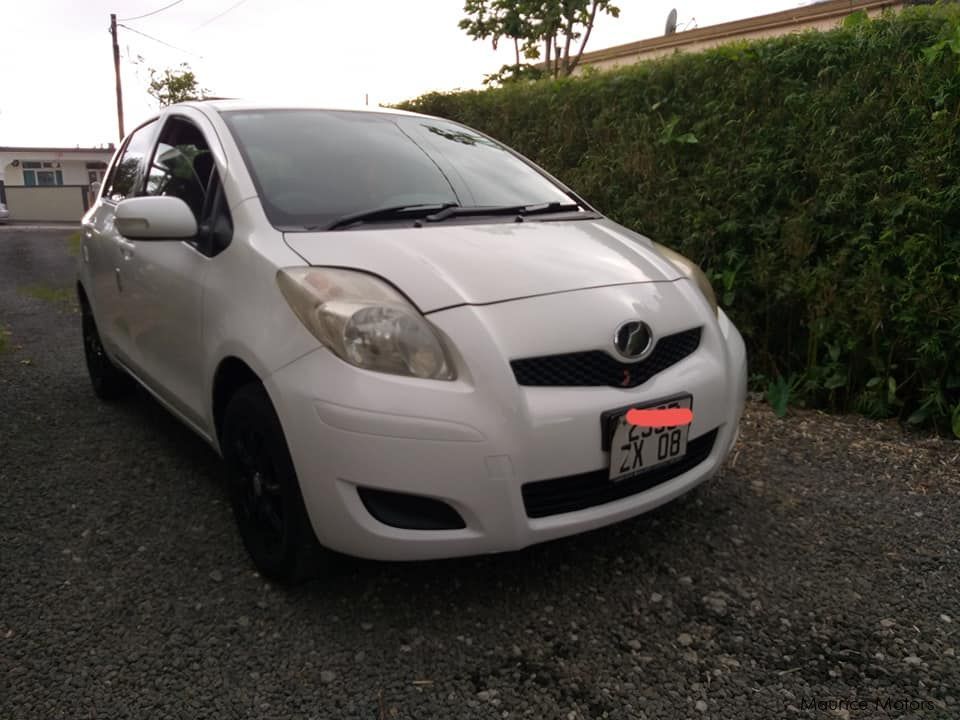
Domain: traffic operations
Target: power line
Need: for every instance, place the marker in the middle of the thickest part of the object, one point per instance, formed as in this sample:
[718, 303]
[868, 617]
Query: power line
[220, 15]
[158, 40]
[158, 10]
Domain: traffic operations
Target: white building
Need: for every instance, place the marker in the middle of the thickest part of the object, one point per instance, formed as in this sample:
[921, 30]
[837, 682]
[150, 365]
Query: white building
[821, 15]
[50, 184]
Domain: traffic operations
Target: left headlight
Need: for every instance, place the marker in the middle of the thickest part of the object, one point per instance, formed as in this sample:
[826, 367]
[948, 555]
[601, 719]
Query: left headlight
[365, 322]
[689, 268]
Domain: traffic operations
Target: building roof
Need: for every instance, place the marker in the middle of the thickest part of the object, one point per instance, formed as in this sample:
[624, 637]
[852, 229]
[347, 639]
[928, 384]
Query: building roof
[825, 10]
[61, 150]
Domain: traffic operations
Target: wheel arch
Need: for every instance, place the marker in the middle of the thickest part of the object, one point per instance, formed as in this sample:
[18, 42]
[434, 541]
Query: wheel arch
[232, 373]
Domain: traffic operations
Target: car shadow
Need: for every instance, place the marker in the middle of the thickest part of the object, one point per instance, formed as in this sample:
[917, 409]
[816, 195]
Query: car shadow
[647, 545]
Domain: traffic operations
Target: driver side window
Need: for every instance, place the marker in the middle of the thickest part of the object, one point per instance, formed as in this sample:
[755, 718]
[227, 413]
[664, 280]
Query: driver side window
[182, 165]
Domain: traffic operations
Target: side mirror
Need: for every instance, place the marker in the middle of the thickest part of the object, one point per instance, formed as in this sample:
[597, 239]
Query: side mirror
[159, 217]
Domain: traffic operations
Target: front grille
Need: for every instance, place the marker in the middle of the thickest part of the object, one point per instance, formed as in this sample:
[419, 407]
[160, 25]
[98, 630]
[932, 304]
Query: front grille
[596, 368]
[577, 492]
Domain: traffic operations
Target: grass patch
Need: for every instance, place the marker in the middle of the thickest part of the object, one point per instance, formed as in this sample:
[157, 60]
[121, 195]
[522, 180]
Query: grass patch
[73, 244]
[48, 293]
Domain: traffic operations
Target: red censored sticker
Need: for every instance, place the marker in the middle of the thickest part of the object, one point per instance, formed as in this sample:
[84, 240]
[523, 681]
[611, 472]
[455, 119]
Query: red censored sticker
[656, 418]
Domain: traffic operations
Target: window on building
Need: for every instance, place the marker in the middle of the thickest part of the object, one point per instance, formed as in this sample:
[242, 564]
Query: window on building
[96, 171]
[49, 177]
[45, 174]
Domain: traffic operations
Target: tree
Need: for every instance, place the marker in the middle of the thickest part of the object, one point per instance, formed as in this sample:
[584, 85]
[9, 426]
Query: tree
[561, 27]
[173, 86]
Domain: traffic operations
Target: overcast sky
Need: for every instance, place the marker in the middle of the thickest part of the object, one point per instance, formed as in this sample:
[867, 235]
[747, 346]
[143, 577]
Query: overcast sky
[57, 84]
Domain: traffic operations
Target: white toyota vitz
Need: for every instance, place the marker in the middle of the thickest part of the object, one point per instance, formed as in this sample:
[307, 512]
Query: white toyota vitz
[405, 340]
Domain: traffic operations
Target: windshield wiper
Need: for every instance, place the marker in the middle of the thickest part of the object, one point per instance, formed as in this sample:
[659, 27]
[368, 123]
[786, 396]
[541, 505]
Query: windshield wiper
[520, 211]
[552, 207]
[438, 212]
[396, 212]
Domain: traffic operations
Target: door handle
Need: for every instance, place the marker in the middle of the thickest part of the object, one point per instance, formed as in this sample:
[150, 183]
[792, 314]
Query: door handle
[116, 274]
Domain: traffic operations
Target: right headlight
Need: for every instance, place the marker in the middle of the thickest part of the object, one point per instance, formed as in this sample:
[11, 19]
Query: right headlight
[365, 321]
[692, 271]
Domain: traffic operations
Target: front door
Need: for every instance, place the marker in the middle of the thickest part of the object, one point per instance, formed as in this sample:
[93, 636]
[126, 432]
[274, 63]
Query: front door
[165, 278]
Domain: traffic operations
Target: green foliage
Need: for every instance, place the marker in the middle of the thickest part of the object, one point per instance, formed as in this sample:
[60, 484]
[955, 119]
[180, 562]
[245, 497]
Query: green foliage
[173, 86]
[514, 73]
[561, 27]
[47, 293]
[813, 176]
[73, 244]
[951, 45]
[669, 134]
[781, 391]
[860, 17]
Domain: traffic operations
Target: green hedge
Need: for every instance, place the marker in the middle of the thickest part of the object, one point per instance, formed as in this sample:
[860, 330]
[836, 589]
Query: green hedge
[813, 176]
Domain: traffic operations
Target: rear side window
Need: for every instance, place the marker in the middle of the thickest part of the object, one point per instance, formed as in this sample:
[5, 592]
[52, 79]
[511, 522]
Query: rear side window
[123, 180]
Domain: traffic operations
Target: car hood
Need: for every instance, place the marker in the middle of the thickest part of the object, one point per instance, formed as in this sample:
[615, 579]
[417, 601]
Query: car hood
[442, 266]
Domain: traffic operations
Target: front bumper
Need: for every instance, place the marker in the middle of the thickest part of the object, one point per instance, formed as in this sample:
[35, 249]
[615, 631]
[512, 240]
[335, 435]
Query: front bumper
[476, 442]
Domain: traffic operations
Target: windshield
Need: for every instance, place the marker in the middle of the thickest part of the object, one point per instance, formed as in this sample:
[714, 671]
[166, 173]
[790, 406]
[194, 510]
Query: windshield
[312, 167]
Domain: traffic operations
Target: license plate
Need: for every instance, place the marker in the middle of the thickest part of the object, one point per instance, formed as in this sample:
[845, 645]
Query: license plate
[635, 450]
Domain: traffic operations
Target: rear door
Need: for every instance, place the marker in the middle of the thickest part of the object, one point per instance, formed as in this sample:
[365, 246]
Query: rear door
[104, 249]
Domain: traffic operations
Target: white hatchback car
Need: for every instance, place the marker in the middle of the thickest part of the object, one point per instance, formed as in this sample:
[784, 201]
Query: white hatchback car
[405, 340]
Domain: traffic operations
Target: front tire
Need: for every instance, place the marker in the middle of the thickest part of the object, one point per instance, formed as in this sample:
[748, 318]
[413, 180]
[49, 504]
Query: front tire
[264, 491]
[109, 382]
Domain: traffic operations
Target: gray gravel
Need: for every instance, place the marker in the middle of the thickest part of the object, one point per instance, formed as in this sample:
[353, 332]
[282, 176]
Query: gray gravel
[823, 566]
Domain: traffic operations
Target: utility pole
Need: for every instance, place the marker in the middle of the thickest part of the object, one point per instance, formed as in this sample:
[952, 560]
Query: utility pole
[116, 70]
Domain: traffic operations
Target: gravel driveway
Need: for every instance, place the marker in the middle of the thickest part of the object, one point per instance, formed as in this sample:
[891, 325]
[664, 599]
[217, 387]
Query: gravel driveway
[819, 577]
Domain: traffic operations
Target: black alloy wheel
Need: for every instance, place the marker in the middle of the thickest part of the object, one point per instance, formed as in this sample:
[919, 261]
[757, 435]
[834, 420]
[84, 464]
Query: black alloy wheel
[264, 491]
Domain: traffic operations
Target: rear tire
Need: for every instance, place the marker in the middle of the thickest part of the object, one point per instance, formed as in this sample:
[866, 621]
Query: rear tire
[109, 382]
[264, 491]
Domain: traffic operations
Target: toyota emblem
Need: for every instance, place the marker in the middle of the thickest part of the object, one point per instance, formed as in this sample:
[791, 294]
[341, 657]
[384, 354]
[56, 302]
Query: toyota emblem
[633, 340]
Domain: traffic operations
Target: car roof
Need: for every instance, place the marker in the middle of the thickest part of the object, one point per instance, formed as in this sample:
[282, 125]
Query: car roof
[227, 104]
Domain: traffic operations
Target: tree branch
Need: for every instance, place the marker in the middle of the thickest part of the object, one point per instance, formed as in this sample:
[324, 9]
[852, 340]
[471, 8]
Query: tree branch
[549, 55]
[566, 48]
[586, 36]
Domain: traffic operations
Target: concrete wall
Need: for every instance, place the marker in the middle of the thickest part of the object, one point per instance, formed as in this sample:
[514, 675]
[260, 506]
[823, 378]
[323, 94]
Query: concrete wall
[51, 204]
[826, 16]
[706, 44]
